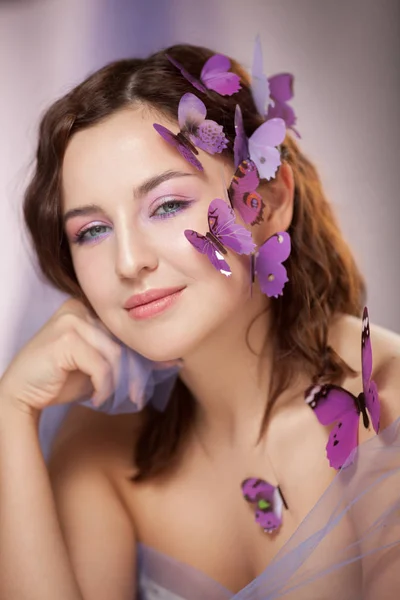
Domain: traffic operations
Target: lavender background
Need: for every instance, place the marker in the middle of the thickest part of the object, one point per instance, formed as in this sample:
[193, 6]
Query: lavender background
[345, 57]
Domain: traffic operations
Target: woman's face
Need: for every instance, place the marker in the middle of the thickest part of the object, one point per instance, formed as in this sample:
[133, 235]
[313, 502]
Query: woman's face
[127, 198]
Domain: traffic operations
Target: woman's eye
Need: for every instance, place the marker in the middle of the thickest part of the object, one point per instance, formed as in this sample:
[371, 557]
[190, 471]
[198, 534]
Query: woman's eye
[91, 234]
[170, 207]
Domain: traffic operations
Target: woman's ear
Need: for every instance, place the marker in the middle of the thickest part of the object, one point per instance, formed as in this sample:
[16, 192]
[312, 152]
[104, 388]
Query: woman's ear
[278, 196]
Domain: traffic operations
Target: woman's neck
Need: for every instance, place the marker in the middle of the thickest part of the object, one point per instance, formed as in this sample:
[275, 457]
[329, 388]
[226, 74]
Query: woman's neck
[229, 376]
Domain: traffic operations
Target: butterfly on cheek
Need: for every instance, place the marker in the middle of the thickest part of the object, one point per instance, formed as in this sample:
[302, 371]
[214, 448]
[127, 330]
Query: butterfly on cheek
[223, 233]
[334, 404]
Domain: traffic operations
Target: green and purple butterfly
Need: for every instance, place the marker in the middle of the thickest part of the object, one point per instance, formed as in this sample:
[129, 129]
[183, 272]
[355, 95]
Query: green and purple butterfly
[268, 501]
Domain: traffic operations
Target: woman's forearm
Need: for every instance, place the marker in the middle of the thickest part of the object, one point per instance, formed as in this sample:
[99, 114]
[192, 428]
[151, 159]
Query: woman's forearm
[34, 563]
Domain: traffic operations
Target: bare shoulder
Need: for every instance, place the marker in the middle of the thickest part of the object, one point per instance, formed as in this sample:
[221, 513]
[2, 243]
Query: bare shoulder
[346, 339]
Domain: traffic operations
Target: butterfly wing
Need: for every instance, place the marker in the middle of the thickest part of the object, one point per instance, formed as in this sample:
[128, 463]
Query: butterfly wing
[268, 266]
[281, 87]
[205, 134]
[242, 192]
[334, 404]
[259, 82]
[174, 141]
[221, 220]
[240, 144]
[216, 76]
[281, 110]
[369, 386]
[191, 112]
[253, 489]
[205, 246]
[262, 147]
[195, 82]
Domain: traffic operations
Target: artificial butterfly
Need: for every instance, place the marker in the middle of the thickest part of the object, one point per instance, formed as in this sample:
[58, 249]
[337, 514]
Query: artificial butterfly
[271, 94]
[223, 233]
[260, 147]
[195, 130]
[267, 264]
[215, 75]
[281, 90]
[242, 193]
[181, 143]
[333, 404]
[269, 502]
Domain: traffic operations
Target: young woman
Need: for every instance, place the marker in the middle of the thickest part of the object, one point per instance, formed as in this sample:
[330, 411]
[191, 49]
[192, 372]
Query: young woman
[227, 491]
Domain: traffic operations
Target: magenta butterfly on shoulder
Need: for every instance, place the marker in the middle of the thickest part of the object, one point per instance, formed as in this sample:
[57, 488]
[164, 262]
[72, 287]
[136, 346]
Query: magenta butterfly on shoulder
[333, 404]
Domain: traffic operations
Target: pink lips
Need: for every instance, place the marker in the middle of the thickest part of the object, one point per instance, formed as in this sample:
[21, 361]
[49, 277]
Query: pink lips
[151, 303]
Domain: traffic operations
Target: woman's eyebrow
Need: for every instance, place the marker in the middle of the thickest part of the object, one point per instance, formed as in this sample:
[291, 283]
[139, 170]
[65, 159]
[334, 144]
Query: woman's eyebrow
[138, 192]
[147, 186]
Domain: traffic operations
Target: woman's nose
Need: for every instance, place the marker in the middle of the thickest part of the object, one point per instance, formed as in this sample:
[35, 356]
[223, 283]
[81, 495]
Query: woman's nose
[134, 254]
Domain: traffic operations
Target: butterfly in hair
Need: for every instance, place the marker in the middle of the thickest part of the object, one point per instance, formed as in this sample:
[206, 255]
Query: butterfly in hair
[334, 404]
[195, 131]
[261, 146]
[242, 193]
[215, 75]
[271, 94]
[266, 264]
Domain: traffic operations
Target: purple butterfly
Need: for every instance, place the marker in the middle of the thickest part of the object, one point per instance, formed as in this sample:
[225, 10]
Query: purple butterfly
[333, 404]
[181, 143]
[223, 233]
[261, 145]
[267, 264]
[214, 76]
[243, 195]
[271, 94]
[281, 90]
[195, 130]
[269, 502]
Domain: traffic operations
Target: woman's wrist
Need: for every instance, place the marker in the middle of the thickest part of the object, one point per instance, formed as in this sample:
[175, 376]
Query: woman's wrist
[12, 409]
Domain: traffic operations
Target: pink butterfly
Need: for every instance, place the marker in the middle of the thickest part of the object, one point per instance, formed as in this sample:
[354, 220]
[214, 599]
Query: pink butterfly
[195, 130]
[214, 75]
[243, 195]
[267, 264]
[261, 145]
[334, 404]
[223, 233]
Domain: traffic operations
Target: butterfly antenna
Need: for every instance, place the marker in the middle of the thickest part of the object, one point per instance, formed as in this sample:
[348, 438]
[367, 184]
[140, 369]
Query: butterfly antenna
[226, 194]
[252, 272]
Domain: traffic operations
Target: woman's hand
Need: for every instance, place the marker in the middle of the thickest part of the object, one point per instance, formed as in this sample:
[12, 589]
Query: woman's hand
[72, 357]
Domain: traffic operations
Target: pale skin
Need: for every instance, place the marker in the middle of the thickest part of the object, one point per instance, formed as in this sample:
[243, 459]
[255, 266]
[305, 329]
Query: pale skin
[101, 513]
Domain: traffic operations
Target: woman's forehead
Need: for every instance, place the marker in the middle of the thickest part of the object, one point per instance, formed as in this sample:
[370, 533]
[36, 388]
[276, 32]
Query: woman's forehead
[123, 147]
[123, 151]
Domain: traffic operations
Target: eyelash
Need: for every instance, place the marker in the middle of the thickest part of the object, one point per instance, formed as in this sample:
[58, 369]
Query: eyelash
[80, 238]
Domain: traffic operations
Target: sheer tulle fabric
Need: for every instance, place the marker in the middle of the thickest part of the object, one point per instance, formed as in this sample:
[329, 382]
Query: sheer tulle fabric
[347, 548]
[140, 381]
